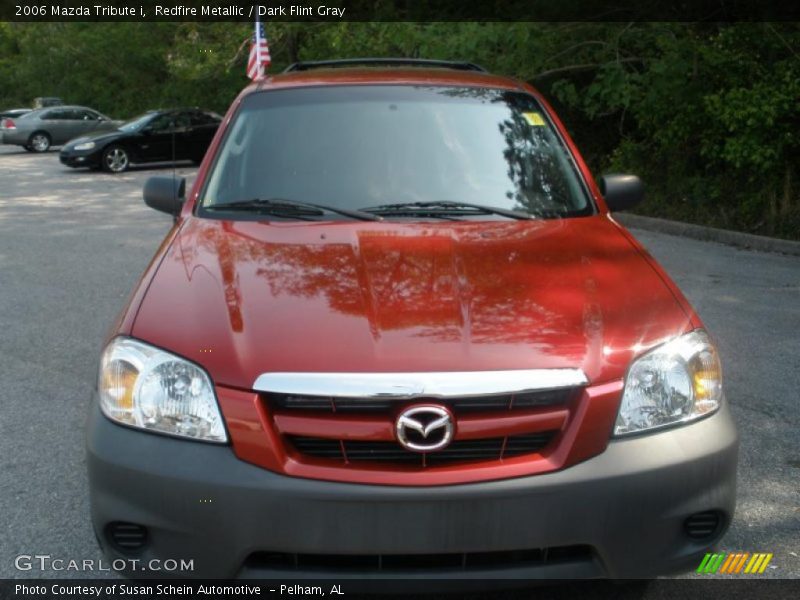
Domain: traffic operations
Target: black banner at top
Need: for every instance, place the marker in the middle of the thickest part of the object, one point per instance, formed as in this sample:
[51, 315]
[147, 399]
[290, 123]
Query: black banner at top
[400, 10]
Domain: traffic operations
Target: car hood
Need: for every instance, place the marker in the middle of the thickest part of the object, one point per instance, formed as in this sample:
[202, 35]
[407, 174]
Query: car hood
[243, 298]
[97, 137]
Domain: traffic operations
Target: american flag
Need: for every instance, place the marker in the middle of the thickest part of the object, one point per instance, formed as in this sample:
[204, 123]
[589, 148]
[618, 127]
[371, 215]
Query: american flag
[259, 53]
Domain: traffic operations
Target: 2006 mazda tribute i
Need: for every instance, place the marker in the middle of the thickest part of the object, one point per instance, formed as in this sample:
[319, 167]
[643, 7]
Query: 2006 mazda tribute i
[394, 331]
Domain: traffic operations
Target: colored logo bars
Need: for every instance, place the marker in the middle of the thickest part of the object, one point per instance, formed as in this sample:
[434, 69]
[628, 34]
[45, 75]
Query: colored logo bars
[735, 563]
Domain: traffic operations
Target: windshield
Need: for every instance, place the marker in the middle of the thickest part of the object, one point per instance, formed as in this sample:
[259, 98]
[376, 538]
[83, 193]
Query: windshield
[137, 122]
[367, 146]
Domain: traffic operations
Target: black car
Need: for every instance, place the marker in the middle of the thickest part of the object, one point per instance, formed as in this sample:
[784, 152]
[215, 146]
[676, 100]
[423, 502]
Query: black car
[156, 136]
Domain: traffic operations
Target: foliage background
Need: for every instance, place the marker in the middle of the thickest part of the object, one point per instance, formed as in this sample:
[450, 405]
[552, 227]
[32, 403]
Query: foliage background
[708, 114]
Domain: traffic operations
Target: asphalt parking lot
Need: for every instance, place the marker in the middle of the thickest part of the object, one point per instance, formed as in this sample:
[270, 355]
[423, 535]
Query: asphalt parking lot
[73, 243]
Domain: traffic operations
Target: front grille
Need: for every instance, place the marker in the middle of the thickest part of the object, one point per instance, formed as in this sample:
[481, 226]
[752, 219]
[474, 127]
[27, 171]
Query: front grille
[314, 426]
[458, 451]
[498, 402]
[466, 561]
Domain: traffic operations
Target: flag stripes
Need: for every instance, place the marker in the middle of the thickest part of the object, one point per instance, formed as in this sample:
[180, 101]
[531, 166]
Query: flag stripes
[259, 58]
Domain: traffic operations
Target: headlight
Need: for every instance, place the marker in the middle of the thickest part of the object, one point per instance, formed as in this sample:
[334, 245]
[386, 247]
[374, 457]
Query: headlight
[145, 387]
[84, 146]
[675, 383]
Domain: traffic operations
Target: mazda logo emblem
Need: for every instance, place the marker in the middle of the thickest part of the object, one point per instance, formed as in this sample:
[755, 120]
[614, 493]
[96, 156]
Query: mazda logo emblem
[424, 428]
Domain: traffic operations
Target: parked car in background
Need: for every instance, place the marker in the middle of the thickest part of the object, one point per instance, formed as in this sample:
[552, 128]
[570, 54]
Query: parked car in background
[47, 101]
[39, 129]
[156, 136]
[11, 113]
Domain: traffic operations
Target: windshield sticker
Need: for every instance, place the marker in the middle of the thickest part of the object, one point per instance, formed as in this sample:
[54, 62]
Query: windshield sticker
[534, 119]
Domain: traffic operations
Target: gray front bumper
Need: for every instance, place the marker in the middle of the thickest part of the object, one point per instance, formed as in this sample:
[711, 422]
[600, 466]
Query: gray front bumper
[199, 501]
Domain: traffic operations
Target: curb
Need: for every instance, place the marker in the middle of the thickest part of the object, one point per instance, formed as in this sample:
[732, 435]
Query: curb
[710, 234]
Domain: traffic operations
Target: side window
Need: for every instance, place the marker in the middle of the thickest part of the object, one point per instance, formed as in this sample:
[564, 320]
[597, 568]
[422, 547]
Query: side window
[55, 115]
[182, 120]
[86, 115]
[162, 123]
[200, 118]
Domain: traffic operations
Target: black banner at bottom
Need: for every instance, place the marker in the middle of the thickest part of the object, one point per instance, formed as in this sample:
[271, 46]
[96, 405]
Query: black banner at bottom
[114, 589]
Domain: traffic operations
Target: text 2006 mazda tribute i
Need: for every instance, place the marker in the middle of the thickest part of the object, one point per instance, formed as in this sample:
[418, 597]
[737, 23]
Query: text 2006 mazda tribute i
[396, 331]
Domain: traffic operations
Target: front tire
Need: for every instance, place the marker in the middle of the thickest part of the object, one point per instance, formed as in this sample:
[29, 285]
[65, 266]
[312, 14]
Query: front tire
[39, 142]
[116, 159]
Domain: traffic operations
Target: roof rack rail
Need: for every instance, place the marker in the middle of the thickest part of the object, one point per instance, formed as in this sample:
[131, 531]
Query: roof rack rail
[390, 62]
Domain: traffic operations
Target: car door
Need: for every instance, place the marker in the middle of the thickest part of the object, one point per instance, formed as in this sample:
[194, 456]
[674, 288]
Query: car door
[57, 123]
[203, 127]
[105, 123]
[87, 121]
[155, 142]
[183, 132]
[75, 124]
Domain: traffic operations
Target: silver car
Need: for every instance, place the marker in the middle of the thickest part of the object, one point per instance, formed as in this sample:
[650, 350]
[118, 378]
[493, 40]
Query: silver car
[39, 129]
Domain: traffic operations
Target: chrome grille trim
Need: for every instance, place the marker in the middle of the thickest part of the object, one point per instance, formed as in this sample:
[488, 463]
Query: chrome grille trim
[460, 405]
[407, 386]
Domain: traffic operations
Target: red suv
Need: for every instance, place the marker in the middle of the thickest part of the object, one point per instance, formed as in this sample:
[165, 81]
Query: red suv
[396, 331]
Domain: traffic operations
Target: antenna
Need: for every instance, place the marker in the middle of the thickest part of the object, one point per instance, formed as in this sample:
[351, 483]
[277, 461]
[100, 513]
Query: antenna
[174, 174]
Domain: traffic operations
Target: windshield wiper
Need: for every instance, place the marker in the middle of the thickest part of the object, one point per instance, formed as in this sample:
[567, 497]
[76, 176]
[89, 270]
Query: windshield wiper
[290, 208]
[440, 207]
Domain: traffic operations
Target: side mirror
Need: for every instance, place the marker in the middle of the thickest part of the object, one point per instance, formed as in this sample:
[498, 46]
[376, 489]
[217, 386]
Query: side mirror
[621, 192]
[165, 194]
